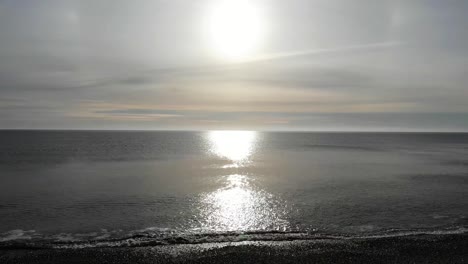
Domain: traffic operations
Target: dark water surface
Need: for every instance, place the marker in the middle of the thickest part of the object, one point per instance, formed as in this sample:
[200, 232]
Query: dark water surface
[116, 188]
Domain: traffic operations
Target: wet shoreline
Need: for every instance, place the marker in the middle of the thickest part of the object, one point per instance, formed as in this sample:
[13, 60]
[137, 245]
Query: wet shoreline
[451, 248]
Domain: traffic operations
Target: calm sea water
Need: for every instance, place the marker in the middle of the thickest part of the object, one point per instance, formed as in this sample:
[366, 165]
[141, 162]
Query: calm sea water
[60, 186]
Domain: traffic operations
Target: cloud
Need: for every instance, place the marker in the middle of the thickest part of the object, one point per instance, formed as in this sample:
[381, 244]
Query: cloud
[107, 64]
[315, 52]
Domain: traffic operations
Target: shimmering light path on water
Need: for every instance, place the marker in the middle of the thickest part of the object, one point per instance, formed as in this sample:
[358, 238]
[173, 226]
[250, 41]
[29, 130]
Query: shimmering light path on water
[238, 205]
[88, 185]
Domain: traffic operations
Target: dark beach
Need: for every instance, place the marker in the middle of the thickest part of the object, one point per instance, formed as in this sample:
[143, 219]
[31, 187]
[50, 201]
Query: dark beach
[407, 249]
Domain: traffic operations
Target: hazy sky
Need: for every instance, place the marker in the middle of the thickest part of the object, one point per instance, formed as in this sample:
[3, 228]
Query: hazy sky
[313, 65]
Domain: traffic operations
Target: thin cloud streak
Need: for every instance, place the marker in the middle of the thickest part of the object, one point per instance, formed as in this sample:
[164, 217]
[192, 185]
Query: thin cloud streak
[311, 52]
[136, 75]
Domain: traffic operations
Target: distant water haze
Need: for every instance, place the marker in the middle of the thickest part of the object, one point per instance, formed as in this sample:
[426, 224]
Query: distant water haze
[100, 185]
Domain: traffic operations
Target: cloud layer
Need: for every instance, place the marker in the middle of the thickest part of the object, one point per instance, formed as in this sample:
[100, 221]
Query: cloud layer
[325, 65]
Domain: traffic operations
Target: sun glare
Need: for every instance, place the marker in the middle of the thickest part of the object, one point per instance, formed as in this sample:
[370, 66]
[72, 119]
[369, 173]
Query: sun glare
[235, 28]
[233, 145]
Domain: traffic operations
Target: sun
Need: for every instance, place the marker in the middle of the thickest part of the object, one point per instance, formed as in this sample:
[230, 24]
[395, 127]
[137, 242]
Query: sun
[235, 28]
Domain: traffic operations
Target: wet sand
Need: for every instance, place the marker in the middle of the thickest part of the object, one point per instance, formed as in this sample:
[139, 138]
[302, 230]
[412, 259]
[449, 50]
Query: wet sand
[407, 249]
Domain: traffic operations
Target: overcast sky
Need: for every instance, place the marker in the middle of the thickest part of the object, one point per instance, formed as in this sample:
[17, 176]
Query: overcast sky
[320, 65]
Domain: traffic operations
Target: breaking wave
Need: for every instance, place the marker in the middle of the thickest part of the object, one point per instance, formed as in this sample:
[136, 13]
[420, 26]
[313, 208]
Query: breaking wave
[30, 239]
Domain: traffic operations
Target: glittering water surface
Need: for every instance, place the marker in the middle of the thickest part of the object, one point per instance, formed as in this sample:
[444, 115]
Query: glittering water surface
[67, 185]
[237, 146]
[240, 206]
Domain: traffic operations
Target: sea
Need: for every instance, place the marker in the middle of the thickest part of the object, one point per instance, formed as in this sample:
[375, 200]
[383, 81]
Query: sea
[79, 189]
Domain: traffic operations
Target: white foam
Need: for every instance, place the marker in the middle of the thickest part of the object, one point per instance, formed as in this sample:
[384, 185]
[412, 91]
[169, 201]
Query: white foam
[162, 236]
[456, 231]
[17, 234]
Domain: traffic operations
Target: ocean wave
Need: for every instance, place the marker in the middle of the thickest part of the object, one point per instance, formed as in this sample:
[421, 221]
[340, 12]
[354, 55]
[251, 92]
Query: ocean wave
[30, 239]
[17, 234]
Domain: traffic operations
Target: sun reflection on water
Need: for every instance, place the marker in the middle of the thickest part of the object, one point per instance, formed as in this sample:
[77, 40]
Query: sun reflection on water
[239, 203]
[240, 206]
[236, 146]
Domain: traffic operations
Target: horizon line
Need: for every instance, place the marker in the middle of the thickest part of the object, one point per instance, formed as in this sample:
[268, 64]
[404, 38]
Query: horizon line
[253, 130]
